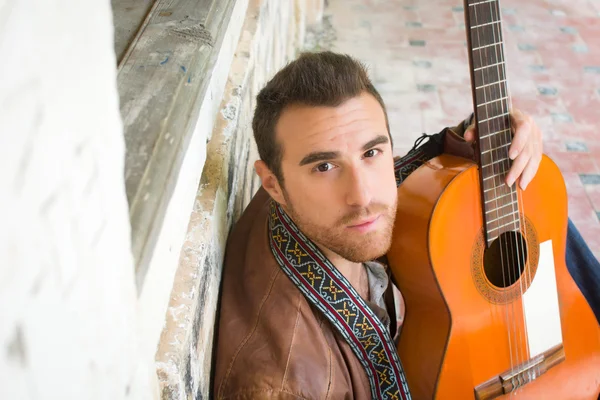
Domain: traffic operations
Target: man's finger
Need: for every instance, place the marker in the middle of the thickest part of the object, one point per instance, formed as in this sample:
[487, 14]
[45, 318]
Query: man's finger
[470, 134]
[529, 171]
[517, 167]
[517, 115]
[522, 133]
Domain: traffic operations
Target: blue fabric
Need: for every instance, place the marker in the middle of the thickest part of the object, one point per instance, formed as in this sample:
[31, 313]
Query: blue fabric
[584, 268]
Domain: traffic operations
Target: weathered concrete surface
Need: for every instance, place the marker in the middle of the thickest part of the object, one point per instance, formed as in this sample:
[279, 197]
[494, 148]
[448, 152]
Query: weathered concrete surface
[128, 16]
[159, 279]
[173, 70]
[273, 31]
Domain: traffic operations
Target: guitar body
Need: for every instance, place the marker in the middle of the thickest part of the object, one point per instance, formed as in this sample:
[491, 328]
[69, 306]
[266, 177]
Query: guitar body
[460, 330]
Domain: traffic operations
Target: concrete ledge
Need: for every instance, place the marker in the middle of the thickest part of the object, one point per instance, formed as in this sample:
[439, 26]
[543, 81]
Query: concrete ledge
[168, 74]
[270, 36]
[128, 16]
[168, 115]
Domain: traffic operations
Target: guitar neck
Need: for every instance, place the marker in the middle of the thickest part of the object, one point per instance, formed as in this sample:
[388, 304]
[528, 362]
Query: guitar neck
[492, 105]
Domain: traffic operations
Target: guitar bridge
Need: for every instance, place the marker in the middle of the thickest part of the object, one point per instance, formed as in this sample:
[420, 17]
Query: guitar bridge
[520, 376]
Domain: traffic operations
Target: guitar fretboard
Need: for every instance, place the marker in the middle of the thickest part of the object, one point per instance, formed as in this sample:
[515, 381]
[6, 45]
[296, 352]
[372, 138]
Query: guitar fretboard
[492, 106]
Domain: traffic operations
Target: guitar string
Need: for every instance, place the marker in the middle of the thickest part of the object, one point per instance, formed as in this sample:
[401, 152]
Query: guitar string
[506, 242]
[491, 152]
[522, 249]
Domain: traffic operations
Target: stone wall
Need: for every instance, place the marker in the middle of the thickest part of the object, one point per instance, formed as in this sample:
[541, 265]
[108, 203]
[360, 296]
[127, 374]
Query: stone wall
[158, 282]
[68, 323]
[273, 30]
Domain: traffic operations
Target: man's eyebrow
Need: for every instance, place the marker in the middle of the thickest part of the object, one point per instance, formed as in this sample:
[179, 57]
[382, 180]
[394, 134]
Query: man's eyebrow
[330, 155]
[381, 139]
[319, 156]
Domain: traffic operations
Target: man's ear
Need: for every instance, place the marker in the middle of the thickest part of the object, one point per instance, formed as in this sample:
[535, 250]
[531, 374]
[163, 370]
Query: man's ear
[269, 182]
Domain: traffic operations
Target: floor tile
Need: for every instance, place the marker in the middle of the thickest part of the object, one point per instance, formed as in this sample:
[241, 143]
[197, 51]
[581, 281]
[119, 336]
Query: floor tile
[590, 179]
[417, 52]
[576, 146]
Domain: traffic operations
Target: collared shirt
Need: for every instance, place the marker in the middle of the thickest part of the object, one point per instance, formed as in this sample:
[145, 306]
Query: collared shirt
[378, 285]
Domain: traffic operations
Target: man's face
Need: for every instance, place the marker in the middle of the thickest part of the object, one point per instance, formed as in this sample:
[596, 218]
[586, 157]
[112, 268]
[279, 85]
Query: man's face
[339, 185]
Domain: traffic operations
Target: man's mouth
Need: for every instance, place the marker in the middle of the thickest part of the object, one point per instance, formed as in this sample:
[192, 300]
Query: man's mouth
[365, 225]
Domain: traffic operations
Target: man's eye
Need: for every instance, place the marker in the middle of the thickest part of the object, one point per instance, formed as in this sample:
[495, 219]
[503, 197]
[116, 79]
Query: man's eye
[324, 167]
[371, 153]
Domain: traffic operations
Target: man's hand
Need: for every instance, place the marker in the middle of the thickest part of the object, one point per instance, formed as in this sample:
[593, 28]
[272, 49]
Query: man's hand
[525, 150]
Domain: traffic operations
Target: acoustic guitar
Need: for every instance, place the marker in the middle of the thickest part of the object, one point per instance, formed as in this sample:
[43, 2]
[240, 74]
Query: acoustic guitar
[491, 309]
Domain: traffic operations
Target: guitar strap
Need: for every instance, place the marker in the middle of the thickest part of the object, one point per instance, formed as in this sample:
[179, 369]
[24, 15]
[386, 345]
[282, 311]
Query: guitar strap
[331, 293]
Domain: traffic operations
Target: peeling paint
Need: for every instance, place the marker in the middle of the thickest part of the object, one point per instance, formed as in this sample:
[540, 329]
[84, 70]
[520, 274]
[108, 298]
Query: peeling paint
[229, 112]
[176, 311]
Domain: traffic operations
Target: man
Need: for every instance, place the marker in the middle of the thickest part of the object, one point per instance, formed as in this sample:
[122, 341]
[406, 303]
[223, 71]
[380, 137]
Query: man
[306, 310]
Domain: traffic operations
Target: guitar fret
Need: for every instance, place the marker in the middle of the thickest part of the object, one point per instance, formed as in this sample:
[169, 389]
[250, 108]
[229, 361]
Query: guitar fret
[493, 176]
[487, 45]
[504, 216]
[495, 188]
[493, 133]
[486, 24]
[491, 239]
[502, 226]
[496, 148]
[490, 168]
[481, 2]
[497, 116]
[499, 197]
[492, 101]
[512, 203]
[490, 84]
[488, 66]
[494, 162]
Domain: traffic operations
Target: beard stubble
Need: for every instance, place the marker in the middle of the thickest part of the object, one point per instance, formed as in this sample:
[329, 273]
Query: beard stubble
[351, 245]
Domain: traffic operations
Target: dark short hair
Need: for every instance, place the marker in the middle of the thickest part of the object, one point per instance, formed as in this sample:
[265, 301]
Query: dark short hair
[313, 79]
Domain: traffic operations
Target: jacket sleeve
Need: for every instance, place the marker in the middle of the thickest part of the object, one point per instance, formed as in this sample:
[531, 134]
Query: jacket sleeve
[450, 141]
[454, 142]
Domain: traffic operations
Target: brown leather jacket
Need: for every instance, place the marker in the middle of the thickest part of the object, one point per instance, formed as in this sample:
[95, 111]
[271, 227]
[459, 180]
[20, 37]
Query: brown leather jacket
[271, 342]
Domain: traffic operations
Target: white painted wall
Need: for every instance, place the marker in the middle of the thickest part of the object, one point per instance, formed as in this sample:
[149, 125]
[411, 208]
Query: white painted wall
[68, 306]
[71, 323]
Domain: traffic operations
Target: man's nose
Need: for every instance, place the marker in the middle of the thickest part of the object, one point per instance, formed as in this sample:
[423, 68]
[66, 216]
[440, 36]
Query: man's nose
[358, 193]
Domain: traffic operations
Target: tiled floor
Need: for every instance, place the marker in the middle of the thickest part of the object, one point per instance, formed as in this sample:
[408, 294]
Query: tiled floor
[417, 57]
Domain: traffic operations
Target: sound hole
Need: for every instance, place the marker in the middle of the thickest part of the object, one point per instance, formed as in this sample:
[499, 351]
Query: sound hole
[504, 261]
